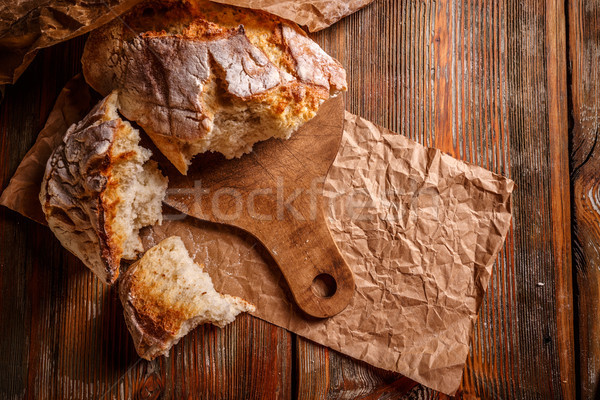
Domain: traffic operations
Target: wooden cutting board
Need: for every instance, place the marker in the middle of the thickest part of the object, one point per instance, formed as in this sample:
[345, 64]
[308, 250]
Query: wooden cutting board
[275, 193]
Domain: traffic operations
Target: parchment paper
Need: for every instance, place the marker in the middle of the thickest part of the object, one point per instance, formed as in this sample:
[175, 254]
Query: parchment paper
[314, 14]
[419, 229]
[29, 25]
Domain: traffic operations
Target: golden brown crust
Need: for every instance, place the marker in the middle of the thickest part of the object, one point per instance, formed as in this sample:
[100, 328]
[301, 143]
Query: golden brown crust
[165, 295]
[80, 193]
[185, 70]
[151, 327]
[76, 177]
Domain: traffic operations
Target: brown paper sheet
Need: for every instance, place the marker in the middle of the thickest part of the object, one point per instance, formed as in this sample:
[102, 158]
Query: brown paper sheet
[29, 25]
[419, 229]
[314, 14]
[72, 105]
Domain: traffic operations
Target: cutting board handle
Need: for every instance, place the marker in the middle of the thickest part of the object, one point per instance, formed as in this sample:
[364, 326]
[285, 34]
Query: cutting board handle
[321, 282]
[281, 183]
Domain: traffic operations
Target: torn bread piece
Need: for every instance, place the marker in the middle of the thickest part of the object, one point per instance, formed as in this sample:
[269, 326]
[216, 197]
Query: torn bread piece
[199, 76]
[166, 294]
[100, 189]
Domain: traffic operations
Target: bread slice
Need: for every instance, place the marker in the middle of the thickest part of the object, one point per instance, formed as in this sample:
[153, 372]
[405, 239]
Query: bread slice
[165, 295]
[100, 188]
[200, 76]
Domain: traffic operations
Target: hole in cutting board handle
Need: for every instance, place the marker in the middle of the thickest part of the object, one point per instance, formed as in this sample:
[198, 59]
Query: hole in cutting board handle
[324, 286]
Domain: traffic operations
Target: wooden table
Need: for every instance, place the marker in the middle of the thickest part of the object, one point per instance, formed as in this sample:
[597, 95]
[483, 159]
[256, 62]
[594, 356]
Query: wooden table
[511, 85]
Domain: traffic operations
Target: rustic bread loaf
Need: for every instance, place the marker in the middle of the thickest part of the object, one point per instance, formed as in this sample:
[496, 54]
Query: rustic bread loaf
[199, 76]
[100, 189]
[165, 295]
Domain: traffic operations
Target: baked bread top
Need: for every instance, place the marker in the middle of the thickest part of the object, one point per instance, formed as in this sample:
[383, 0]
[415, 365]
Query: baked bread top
[201, 76]
[165, 295]
[100, 188]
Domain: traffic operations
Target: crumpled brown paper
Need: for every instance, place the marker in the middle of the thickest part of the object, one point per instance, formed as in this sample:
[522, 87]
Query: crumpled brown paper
[314, 14]
[73, 103]
[29, 25]
[419, 229]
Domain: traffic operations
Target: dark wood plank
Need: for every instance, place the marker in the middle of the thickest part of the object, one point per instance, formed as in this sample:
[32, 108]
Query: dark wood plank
[63, 331]
[390, 83]
[477, 132]
[324, 373]
[481, 80]
[509, 108]
[484, 81]
[28, 280]
[560, 207]
[584, 59]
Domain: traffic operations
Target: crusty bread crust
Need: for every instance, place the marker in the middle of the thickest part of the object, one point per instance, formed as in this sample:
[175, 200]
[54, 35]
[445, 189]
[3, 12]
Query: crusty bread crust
[79, 193]
[200, 76]
[165, 295]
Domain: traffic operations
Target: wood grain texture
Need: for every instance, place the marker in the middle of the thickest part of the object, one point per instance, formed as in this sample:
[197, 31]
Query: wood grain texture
[482, 80]
[560, 206]
[508, 74]
[25, 281]
[485, 82]
[63, 331]
[326, 374]
[584, 58]
[387, 51]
